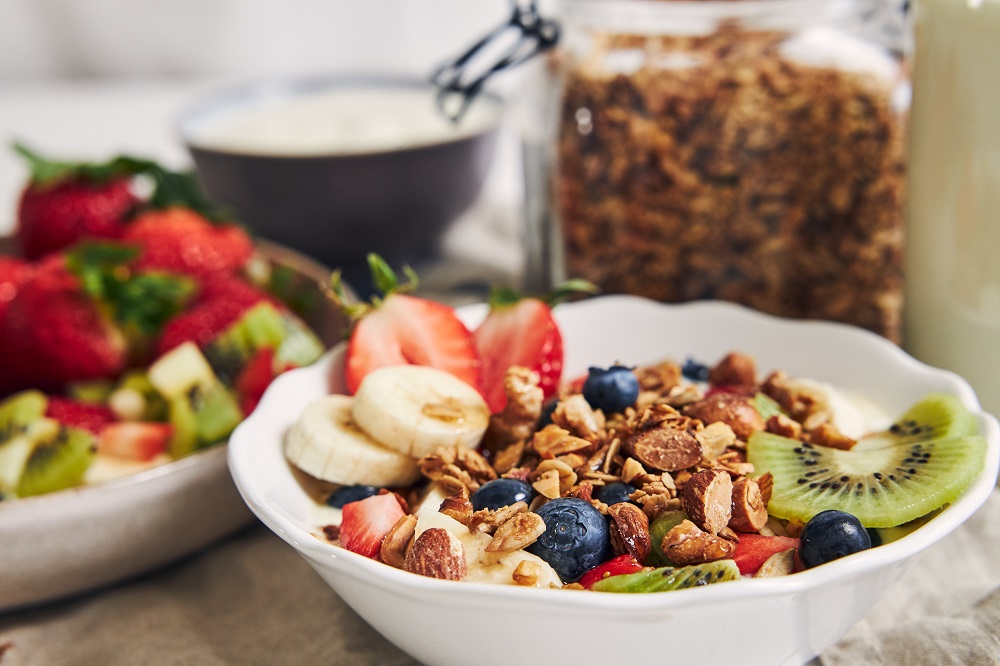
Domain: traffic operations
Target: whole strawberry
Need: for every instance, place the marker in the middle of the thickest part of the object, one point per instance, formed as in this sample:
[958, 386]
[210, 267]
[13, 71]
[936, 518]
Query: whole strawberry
[65, 202]
[219, 305]
[73, 318]
[13, 273]
[180, 240]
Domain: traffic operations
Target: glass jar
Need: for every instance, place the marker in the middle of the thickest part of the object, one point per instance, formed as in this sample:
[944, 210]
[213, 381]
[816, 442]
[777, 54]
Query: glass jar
[750, 151]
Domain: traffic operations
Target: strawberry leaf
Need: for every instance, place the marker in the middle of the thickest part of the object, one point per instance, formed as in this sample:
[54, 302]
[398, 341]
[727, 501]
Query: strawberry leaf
[144, 300]
[505, 296]
[47, 173]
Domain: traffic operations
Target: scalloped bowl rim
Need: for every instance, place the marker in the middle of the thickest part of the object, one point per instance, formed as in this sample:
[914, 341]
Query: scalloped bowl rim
[251, 485]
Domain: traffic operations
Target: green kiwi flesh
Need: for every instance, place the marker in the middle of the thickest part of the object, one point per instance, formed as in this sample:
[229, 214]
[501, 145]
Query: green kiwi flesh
[17, 440]
[658, 529]
[263, 326]
[203, 416]
[665, 579]
[928, 461]
[57, 463]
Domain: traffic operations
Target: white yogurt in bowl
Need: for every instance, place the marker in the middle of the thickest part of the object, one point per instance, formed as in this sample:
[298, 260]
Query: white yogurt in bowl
[349, 120]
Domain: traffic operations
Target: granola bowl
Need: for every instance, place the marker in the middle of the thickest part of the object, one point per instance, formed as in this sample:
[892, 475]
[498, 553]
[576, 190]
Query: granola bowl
[785, 620]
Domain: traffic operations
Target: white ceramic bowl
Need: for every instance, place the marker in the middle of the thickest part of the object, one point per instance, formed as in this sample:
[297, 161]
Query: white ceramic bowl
[763, 621]
[68, 542]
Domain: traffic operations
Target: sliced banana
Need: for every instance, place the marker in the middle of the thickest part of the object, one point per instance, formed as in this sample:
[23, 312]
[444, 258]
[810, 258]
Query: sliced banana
[326, 443]
[414, 409]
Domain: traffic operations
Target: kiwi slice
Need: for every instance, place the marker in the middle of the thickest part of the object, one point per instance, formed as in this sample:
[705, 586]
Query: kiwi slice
[658, 529]
[263, 326]
[57, 463]
[937, 416]
[201, 417]
[766, 406]
[665, 579]
[920, 471]
[17, 438]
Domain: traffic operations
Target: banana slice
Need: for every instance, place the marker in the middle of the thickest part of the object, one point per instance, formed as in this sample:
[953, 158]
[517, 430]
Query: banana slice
[414, 409]
[326, 443]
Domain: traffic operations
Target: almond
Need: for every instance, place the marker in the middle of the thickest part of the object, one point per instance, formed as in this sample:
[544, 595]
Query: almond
[630, 530]
[734, 370]
[397, 542]
[734, 410]
[665, 449]
[749, 511]
[708, 499]
[437, 553]
[686, 544]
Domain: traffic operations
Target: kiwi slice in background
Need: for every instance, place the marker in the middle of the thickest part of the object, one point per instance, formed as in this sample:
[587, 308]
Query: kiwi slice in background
[263, 326]
[201, 417]
[17, 437]
[58, 462]
[665, 579]
[925, 467]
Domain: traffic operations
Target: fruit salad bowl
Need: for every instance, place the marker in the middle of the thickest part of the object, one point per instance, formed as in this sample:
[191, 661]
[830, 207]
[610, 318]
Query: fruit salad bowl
[783, 620]
[78, 539]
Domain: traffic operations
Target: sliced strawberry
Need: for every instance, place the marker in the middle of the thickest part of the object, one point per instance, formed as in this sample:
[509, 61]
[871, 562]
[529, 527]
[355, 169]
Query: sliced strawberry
[410, 330]
[180, 240]
[525, 334]
[366, 522]
[135, 440]
[623, 564]
[754, 549]
[75, 414]
[255, 378]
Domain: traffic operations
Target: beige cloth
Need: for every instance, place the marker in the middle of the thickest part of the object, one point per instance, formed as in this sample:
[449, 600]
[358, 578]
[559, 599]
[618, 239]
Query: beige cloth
[253, 600]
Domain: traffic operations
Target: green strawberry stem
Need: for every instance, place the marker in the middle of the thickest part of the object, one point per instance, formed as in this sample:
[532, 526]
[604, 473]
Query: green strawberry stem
[386, 282]
[144, 300]
[503, 296]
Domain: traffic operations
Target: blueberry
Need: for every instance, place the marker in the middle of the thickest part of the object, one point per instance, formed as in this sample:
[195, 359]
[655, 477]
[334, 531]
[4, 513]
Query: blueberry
[611, 390]
[347, 494]
[613, 493]
[694, 371]
[501, 492]
[576, 537]
[545, 418]
[875, 536]
[830, 535]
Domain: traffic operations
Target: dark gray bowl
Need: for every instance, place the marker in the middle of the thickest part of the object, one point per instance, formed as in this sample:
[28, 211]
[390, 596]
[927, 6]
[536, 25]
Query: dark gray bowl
[337, 207]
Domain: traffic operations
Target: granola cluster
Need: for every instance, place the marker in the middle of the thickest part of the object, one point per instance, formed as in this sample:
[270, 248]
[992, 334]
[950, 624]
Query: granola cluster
[724, 168]
[681, 447]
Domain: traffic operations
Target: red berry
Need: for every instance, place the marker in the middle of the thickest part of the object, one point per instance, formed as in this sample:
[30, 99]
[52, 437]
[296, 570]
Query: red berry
[410, 330]
[179, 240]
[13, 273]
[75, 414]
[525, 334]
[135, 440]
[53, 333]
[366, 522]
[754, 549]
[255, 378]
[623, 564]
[218, 306]
[52, 217]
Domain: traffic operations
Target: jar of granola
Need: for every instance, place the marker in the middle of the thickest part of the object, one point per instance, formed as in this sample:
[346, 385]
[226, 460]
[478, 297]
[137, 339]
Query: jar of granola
[750, 150]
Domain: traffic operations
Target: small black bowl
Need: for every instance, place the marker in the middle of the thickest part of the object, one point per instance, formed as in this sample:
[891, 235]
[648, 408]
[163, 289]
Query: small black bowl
[397, 200]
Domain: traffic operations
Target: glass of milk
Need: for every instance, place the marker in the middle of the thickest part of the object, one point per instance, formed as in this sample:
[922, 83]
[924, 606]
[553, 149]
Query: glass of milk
[953, 254]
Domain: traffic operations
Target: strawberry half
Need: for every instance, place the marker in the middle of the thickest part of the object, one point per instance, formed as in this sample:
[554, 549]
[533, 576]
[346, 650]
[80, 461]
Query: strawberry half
[366, 522]
[520, 330]
[64, 202]
[399, 329]
[181, 240]
[754, 549]
[134, 440]
[255, 378]
[13, 273]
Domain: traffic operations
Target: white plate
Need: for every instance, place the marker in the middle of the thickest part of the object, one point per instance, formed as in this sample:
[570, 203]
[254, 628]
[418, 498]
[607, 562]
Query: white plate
[64, 543]
[766, 621]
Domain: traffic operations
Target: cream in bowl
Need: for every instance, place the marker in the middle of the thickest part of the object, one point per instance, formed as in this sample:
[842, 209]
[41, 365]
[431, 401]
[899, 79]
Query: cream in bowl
[791, 618]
